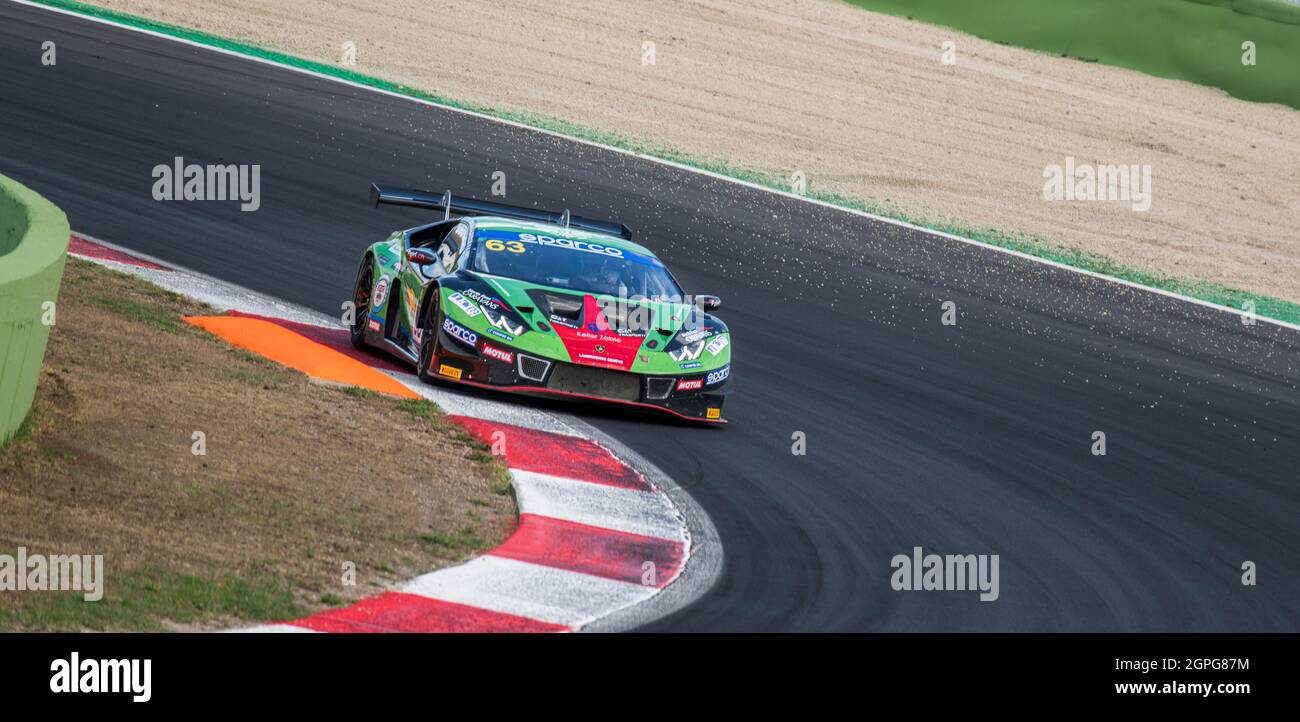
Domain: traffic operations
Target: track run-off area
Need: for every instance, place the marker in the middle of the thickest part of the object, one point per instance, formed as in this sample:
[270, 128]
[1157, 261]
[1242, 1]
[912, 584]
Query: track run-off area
[970, 438]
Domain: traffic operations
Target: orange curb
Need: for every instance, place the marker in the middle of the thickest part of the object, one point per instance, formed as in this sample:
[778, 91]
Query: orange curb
[298, 352]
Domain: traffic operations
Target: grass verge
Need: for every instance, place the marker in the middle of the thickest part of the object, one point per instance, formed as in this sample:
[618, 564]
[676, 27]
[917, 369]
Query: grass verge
[299, 483]
[1199, 41]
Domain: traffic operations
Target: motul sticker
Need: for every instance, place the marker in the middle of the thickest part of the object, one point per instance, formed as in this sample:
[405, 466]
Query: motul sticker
[499, 354]
[690, 384]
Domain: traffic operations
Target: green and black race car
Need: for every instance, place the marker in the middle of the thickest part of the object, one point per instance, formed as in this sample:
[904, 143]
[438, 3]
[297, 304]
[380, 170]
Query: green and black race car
[535, 302]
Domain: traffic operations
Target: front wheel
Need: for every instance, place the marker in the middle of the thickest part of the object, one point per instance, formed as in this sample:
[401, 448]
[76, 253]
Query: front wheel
[361, 302]
[428, 341]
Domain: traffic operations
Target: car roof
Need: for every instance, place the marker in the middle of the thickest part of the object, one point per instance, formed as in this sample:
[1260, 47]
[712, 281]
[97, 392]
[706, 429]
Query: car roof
[510, 224]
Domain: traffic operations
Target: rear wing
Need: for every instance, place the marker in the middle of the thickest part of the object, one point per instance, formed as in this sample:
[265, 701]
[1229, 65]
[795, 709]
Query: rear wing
[449, 205]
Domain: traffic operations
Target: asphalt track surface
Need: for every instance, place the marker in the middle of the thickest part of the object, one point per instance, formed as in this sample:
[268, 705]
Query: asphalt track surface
[974, 438]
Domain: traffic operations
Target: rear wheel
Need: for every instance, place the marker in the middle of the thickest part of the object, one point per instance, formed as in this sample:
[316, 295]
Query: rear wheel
[428, 340]
[361, 301]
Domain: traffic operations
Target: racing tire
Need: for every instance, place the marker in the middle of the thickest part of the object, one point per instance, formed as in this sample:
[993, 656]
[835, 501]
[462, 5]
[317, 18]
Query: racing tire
[361, 295]
[428, 341]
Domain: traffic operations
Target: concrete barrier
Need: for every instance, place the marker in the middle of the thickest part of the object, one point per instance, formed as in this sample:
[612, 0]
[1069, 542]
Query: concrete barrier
[33, 248]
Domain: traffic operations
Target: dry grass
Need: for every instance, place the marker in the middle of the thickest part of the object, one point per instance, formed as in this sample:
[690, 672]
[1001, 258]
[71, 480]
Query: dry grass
[298, 477]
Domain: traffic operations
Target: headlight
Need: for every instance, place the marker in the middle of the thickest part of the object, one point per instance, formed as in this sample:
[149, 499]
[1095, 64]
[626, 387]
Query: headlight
[689, 352]
[502, 321]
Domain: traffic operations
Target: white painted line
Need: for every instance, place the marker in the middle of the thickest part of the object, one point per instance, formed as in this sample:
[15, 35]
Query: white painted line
[272, 629]
[679, 166]
[529, 590]
[609, 507]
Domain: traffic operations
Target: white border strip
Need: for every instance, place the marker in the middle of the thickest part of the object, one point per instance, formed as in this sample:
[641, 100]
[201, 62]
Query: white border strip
[201, 287]
[673, 164]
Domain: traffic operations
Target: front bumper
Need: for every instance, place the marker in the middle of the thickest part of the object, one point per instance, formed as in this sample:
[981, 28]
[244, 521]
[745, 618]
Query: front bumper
[502, 367]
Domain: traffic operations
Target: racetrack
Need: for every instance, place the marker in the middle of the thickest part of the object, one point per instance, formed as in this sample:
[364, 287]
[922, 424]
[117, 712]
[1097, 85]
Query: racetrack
[972, 438]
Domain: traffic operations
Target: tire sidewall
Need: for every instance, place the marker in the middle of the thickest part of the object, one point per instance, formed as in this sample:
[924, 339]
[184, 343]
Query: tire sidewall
[428, 350]
[358, 330]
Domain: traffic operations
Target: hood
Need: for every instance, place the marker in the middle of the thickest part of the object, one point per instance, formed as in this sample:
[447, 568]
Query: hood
[605, 331]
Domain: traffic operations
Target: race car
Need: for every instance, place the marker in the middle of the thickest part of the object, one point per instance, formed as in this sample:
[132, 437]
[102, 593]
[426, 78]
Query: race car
[541, 303]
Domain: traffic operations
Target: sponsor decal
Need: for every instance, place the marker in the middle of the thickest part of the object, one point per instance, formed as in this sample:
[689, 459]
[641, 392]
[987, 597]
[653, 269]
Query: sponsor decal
[481, 298]
[509, 242]
[716, 345]
[464, 304]
[718, 376]
[689, 337]
[692, 365]
[375, 325]
[501, 334]
[687, 353]
[503, 322]
[449, 371]
[608, 338]
[417, 334]
[713, 413]
[690, 384]
[604, 349]
[459, 332]
[381, 292]
[497, 353]
[412, 303]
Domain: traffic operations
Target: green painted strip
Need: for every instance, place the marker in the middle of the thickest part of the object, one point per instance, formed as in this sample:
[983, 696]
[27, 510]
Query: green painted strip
[33, 248]
[1264, 306]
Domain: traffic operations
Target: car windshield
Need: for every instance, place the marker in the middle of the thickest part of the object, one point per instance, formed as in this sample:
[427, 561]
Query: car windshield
[580, 265]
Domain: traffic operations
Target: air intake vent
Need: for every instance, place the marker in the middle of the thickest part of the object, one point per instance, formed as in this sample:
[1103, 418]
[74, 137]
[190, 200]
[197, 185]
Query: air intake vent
[533, 368]
[659, 388]
[588, 381]
[566, 307]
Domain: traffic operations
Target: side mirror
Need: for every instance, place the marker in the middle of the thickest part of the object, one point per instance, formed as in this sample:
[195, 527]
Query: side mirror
[421, 256]
[709, 303]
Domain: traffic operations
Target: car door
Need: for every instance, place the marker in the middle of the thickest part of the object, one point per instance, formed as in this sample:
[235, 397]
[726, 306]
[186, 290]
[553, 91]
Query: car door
[419, 278]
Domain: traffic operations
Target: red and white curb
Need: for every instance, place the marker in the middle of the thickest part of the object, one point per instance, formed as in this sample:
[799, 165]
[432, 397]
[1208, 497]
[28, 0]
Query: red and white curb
[594, 536]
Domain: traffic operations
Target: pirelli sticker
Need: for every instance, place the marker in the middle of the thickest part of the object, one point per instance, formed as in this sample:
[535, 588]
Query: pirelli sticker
[449, 371]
